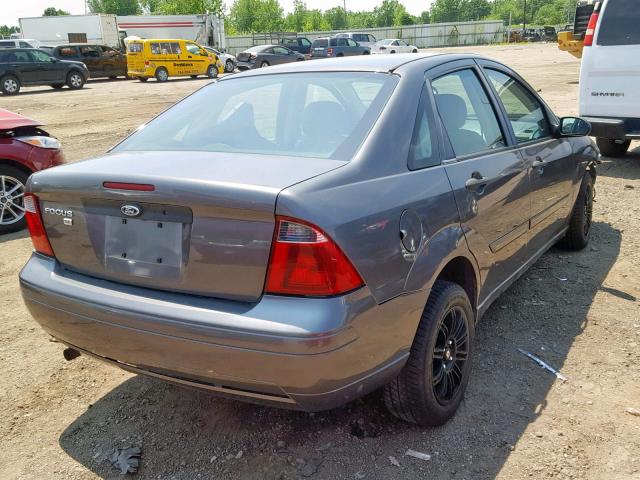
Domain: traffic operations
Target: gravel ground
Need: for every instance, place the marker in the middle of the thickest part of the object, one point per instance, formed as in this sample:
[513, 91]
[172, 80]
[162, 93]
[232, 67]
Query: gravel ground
[578, 311]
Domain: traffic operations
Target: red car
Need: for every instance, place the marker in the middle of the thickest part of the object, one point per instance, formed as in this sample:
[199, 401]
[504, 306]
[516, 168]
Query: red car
[24, 149]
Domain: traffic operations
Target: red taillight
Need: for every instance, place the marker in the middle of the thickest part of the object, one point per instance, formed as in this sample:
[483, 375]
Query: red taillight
[329, 51]
[305, 261]
[591, 29]
[36, 227]
[138, 187]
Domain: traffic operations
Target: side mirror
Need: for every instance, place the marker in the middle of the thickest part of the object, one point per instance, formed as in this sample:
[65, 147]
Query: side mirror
[574, 127]
[53, 60]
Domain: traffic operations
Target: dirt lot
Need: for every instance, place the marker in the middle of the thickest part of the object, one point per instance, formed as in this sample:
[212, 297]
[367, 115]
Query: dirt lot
[578, 311]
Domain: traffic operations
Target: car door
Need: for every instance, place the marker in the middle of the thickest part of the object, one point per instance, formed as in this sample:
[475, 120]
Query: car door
[113, 61]
[549, 159]
[92, 58]
[49, 69]
[489, 178]
[353, 48]
[21, 62]
[403, 47]
[197, 63]
[282, 55]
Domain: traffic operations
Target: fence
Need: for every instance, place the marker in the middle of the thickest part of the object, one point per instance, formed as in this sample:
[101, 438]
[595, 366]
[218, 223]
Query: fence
[423, 36]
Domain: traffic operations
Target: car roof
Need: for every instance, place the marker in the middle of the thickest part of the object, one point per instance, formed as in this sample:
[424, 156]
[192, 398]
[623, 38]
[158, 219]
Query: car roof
[362, 63]
[81, 45]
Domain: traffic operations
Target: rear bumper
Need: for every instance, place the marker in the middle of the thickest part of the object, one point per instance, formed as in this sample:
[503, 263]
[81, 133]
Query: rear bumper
[307, 354]
[245, 65]
[614, 128]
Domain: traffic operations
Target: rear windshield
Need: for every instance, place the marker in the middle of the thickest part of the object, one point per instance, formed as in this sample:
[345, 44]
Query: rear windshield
[321, 42]
[324, 115]
[620, 24]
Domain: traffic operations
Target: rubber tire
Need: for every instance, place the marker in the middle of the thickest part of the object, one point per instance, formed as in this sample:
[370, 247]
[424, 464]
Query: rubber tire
[2, 85]
[366, 52]
[57, 86]
[194, 76]
[158, 78]
[392, 51]
[264, 64]
[22, 177]
[410, 396]
[113, 78]
[228, 66]
[414, 51]
[143, 79]
[212, 71]
[611, 148]
[69, 81]
[575, 238]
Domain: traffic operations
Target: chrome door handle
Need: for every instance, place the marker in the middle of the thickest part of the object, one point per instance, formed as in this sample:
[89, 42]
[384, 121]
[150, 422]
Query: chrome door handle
[476, 182]
[538, 162]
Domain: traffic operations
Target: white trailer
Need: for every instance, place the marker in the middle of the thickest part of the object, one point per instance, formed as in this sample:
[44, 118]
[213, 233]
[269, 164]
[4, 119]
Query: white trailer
[202, 29]
[99, 28]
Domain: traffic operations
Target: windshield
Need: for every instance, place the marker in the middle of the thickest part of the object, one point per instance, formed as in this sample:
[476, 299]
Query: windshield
[324, 115]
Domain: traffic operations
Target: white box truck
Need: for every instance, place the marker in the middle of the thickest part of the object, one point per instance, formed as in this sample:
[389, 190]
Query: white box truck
[99, 28]
[202, 29]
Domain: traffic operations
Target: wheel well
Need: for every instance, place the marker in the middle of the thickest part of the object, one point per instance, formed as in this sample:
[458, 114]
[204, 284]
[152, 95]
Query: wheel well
[460, 270]
[17, 165]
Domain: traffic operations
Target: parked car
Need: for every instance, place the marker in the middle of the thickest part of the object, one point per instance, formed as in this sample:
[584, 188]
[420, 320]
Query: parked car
[363, 39]
[28, 67]
[337, 47]
[266, 55]
[229, 61]
[550, 34]
[610, 73]
[102, 61]
[20, 43]
[24, 148]
[220, 246]
[170, 58]
[394, 45]
[297, 44]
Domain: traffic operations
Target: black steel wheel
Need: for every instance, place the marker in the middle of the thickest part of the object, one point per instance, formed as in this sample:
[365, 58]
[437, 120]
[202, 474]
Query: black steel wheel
[432, 383]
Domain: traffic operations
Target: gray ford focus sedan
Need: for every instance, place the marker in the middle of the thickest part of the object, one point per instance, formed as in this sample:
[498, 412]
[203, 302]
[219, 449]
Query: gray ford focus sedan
[302, 235]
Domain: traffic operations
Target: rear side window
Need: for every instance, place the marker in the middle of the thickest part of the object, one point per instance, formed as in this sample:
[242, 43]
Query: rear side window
[8, 44]
[422, 153]
[318, 115]
[466, 113]
[15, 56]
[620, 24]
[322, 42]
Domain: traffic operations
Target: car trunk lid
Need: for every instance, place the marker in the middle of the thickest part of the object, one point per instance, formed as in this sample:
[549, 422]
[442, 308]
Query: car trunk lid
[194, 222]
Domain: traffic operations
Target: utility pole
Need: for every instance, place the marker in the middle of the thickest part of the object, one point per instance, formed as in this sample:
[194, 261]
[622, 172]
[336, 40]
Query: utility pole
[524, 18]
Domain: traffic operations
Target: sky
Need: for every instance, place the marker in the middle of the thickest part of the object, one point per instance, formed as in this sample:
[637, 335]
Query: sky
[11, 10]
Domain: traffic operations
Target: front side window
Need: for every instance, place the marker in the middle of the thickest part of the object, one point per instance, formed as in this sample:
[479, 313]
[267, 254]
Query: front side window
[304, 42]
[89, 52]
[467, 114]
[320, 115]
[280, 51]
[25, 45]
[193, 49]
[351, 43]
[372, 38]
[39, 56]
[135, 47]
[619, 23]
[525, 112]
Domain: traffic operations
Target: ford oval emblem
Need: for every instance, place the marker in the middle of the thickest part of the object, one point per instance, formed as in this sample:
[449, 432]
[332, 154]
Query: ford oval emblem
[130, 210]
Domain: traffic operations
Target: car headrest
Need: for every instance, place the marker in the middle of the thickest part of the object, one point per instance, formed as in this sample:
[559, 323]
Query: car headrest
[453, 110]
[320, 116]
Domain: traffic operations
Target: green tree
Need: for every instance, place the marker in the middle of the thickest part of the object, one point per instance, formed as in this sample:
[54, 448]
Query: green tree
[385, 13]
[402, 17]
[247, 16]
[424, 17]
[54, 12]
[445, 11]
[474, 9]
[296, 20]
[186, 7]
[6, 30]
[117, 7]
[336, 17]
[315, 21]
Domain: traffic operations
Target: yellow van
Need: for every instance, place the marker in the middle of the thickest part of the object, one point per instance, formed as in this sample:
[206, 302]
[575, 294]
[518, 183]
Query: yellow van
[170, 58]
